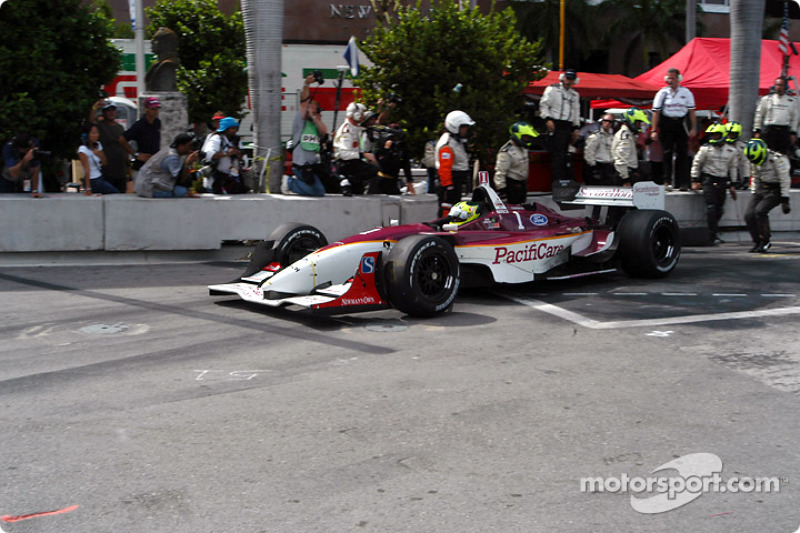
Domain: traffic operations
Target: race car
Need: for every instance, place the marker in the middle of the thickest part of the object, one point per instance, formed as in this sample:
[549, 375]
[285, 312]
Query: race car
[419, 268]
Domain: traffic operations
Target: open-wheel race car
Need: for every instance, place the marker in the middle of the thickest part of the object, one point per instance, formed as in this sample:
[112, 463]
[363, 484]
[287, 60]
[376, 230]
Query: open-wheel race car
[419, 268]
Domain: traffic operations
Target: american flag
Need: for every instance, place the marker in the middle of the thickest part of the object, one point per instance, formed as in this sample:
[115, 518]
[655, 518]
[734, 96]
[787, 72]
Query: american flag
[783, 40]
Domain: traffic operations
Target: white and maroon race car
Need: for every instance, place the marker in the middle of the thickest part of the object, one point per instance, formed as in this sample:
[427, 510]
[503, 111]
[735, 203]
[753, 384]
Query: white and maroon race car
[418, 268]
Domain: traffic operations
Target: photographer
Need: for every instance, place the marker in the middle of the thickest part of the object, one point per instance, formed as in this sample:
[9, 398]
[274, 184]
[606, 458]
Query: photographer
[308, 134]
[224, 155]
[20, 165]
[391, 155]
[387, 109]
[93, 159]
[164, 175]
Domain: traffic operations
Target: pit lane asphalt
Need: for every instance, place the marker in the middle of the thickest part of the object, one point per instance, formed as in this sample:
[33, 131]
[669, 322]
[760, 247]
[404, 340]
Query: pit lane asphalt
[129, 392]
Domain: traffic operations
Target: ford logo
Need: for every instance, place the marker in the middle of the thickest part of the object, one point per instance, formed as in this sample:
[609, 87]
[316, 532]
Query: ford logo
[538, 220]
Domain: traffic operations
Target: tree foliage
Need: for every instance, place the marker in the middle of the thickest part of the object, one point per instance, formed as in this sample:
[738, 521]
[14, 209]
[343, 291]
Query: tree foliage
[541, 20]
[211, 48]
[54, 57]
[655, 25]
[422, 57]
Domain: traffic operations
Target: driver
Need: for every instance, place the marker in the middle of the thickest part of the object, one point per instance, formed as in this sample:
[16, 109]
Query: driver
[460, 214]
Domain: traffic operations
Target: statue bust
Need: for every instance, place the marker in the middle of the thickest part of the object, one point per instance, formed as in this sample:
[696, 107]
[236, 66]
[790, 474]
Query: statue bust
[161, 75]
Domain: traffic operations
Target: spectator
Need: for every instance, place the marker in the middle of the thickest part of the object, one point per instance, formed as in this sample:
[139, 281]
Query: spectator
[429, 162]
[93, 158]
[715, 167]
[771, 183]
[733, 136]
[391, 155]
[224, 155]
[777, 118]
[146, 132]
[671, 105]
[115, 171]
[511, 168]
[308, 135]
[387, 109]
[560, 107]
[452, 159]
[626, 156]
[597, 153]
[20, 165]
[164, 175]
[353, 162]
[213, 126]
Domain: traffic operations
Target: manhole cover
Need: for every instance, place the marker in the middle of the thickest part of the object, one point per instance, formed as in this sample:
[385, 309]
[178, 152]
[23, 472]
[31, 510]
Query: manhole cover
[386, 327]
[104, 329]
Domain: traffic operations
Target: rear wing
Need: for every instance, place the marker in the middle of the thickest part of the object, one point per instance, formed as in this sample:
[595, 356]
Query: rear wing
[643, 195]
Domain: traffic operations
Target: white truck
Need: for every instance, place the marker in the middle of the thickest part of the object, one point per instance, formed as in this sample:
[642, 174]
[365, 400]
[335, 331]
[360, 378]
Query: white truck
[297, 61]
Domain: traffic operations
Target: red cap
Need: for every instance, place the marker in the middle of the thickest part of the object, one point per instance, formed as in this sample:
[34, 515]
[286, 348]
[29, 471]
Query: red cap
[151, 102]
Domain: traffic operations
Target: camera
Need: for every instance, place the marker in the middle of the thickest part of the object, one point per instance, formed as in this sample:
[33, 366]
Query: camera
[42, 153]
[318, 77]
[393, 98]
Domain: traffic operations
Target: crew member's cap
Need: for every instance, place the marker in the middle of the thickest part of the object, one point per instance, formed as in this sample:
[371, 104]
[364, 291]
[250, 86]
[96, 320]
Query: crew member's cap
[181, 139]
[227, 122]
[108, 104]
[151, 102]
[570, 74]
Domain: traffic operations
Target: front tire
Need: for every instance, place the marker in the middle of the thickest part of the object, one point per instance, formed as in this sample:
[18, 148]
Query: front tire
[422, 275]
[649, 243]
[294, 241]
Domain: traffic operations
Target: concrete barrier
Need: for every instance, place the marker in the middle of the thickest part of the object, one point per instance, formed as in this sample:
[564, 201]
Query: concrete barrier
[119, 223]
[71, 222]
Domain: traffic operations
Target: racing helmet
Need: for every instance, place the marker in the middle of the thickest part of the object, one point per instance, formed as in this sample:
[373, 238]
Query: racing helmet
[464, 212]
[733, 131]
[632, 115]
[522, 134]
[756, 151]
[455, 119]
[356, 111]
[712, 131]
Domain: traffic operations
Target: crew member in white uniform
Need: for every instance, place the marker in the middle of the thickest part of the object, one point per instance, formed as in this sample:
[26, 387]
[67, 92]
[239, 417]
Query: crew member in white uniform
[671, 105]
[777, 118]
[560, 107]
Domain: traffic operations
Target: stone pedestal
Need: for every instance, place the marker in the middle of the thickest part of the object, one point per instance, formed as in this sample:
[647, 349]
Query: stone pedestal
[174, 114]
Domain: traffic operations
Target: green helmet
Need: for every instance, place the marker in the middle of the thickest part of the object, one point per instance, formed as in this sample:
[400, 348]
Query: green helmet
[756, 151]
[522, 134]
[733, 131]
[713, 129]
[634, 114]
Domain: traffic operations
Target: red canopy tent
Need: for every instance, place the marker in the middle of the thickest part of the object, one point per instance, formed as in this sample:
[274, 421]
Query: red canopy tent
[591, 85]
[705, 66]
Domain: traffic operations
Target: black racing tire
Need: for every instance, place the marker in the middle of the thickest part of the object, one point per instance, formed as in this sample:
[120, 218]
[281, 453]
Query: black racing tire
[649, 243]
[293, 241]
[422, 275]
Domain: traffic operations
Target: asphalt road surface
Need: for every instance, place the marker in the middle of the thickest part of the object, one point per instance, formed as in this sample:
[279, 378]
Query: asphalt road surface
[134, 402]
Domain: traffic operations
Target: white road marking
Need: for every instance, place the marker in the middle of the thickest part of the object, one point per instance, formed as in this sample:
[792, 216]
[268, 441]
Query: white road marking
[581, 320]
[724, 295]
[660, 333]
[629, 293]
[777, 295]
[678, 294]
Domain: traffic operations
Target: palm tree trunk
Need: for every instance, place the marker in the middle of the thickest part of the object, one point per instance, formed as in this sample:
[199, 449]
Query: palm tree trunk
[747, 19]
[263, 27]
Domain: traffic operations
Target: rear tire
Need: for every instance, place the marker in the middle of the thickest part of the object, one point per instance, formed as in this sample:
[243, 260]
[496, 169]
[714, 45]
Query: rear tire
[422, 275]
[649, 243]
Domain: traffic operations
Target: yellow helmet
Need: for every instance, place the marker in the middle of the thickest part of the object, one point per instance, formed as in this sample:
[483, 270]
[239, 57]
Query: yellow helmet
[714, 129]
[464, 212]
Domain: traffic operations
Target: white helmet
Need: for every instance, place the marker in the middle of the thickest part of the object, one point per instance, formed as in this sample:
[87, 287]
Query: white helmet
[355, 111]
[456, 119]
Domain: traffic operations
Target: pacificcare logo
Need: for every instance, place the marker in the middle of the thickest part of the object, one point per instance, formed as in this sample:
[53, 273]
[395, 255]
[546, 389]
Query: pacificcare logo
[531, 252]
[697, 473]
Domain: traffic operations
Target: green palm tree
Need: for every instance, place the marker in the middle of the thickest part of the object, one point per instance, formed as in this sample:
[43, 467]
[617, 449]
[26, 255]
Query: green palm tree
[655, 25]
[541, 19]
